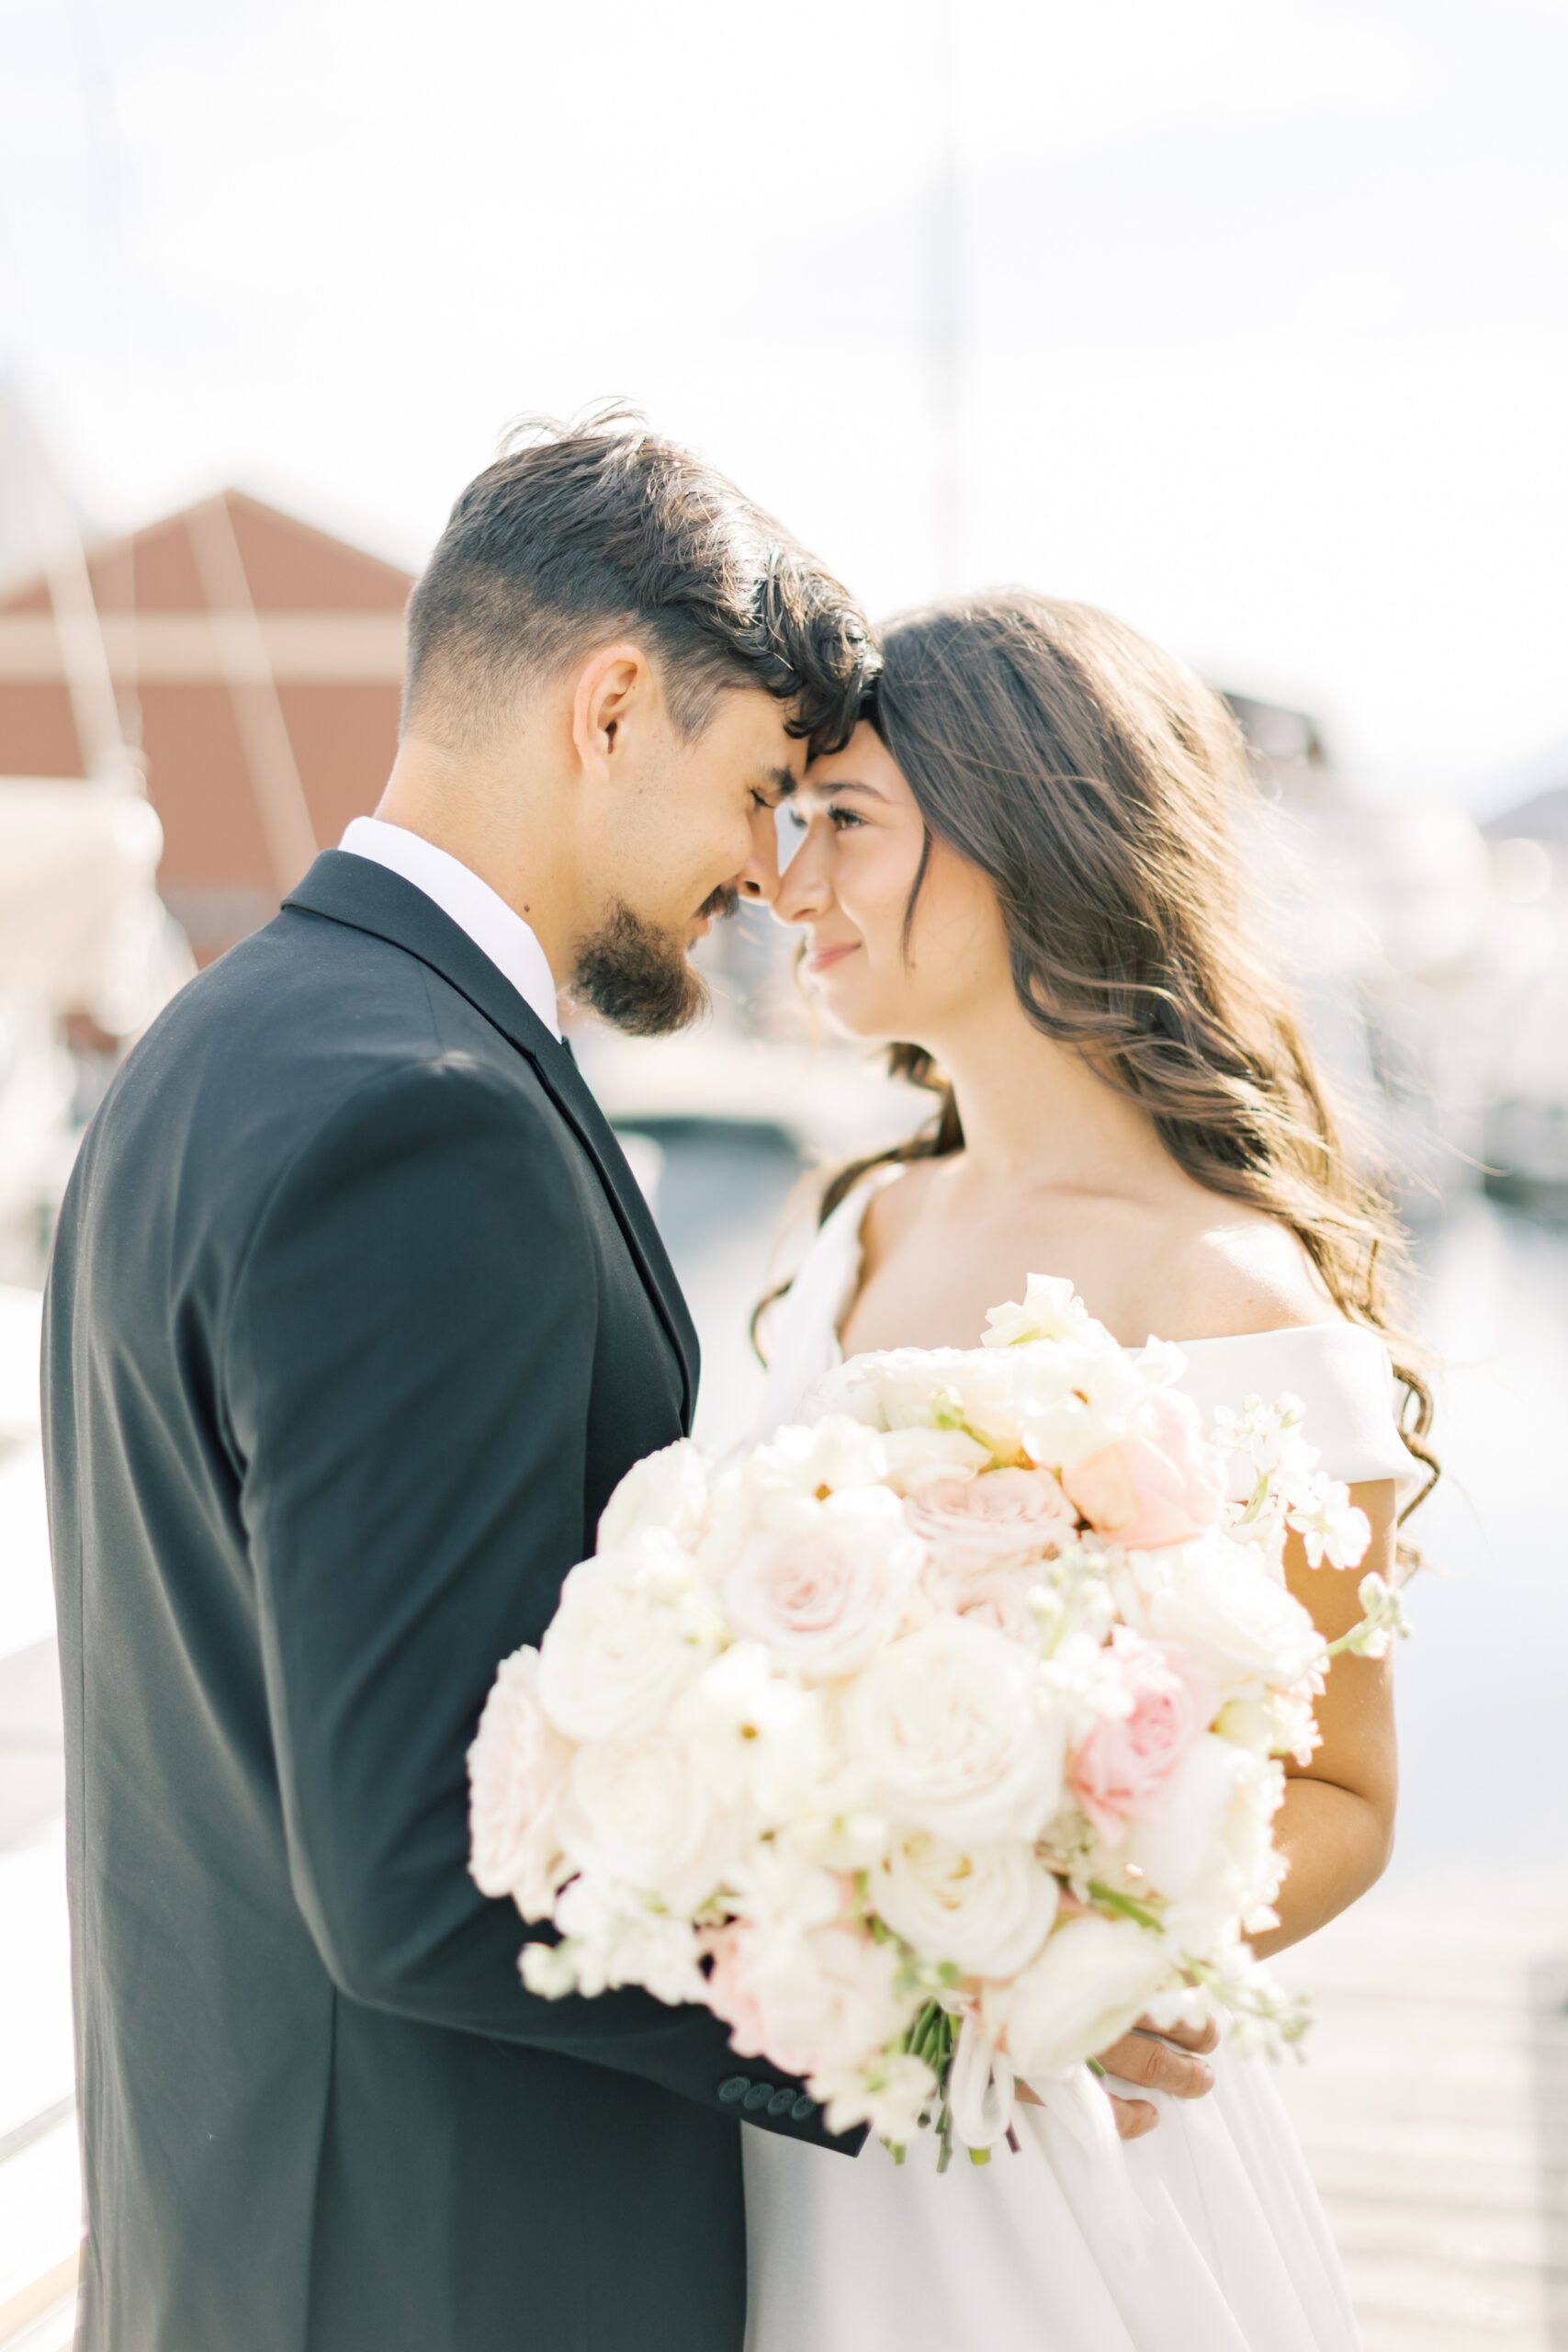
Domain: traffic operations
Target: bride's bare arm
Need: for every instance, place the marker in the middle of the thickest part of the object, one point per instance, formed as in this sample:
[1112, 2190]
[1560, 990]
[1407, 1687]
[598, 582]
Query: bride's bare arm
[1337, 1823]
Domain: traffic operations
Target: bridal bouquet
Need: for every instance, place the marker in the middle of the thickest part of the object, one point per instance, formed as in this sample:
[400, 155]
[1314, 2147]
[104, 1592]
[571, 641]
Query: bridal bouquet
[938, 1739]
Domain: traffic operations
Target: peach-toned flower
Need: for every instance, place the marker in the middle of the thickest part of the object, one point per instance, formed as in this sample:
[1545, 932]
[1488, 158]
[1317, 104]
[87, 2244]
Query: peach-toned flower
[1163, 1486]
[1124, 1769]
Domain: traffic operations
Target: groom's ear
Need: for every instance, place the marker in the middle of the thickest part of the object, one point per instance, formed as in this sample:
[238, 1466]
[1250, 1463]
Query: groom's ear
[615, 695]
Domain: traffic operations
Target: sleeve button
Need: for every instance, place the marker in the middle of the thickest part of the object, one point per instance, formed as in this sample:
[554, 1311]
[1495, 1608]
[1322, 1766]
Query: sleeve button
[804, 2108]
[733, 2089]
[781, 2103]
[757, 2097]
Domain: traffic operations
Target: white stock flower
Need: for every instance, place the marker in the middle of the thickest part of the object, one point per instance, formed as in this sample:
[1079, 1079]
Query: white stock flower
[1330, 1526]
[643, 1812]
[666, 1493]
[825, 1592]
[615, 1937]
[627, 1637]
[517, 1768]
[892, 2095]
[1093, 1980]
[988, 1909]
[1215, 1599]
[1050, 1309]
[950, 1727]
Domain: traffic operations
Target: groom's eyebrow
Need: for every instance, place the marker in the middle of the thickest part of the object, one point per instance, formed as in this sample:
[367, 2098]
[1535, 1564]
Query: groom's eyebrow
[784, 780]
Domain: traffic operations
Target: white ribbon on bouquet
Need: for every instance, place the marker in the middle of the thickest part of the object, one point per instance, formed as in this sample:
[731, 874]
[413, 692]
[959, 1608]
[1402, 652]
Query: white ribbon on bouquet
[981, 2093]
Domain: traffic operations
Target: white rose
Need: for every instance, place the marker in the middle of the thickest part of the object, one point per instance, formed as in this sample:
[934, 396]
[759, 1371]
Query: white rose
[623, 1643]
[950, 1727]
[517, 1768]
[666, 1493]
[642, 1812]
[1215, 1599]
[829, 2000]
[1093, 1980]
[823, 1595]
[988, 1909]
[1209, 1850]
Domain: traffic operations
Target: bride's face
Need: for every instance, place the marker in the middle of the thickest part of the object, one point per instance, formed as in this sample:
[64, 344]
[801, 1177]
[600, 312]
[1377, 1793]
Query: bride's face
[853, 839]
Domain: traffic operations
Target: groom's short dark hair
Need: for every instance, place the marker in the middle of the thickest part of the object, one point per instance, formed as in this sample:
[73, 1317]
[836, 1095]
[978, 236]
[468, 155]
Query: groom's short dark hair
[580, 532]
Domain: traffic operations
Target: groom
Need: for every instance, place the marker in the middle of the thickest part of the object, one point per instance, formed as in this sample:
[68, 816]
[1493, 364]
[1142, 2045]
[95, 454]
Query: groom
[355, 1319]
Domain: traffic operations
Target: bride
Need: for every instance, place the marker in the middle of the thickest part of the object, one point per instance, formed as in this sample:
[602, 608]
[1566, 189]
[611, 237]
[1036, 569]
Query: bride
[1021, 869]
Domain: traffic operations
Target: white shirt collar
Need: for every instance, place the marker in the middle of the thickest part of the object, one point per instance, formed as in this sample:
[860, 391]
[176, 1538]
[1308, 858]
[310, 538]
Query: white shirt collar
[496, 929]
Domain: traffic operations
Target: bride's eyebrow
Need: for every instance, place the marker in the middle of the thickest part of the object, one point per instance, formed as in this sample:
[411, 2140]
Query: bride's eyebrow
[844, 783]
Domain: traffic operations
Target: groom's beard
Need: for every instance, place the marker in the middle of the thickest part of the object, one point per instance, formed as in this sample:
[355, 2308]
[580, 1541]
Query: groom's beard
[637, 977]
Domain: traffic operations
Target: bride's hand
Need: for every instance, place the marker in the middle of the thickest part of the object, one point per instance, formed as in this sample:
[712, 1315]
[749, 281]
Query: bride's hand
[1145, 2056]
[1162, 2059]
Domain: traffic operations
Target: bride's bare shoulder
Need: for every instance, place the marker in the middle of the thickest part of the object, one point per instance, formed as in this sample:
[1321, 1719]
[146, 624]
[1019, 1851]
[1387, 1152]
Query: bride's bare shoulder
[1222, 1270]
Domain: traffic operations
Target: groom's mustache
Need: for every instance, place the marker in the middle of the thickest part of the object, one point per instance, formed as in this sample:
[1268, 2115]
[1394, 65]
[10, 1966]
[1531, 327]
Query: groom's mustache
[721, 905]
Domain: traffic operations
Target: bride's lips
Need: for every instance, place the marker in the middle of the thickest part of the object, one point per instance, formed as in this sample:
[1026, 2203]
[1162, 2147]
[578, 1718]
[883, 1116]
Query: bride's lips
[824, 957]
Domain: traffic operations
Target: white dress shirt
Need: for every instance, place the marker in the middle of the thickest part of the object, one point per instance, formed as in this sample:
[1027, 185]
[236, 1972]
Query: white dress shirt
[496, 929]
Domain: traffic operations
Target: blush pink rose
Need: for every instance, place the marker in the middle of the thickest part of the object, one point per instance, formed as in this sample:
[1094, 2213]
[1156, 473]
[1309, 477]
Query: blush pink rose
[1162, 1486]
[823, 1598]
[1122, 1768]
[732, 1995]
[975, 1523]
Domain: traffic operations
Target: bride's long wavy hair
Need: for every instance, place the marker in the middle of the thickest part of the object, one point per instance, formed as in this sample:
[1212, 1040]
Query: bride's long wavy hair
[1095, 781]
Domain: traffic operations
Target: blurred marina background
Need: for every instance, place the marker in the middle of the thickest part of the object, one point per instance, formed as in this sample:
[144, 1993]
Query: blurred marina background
[1243, 318]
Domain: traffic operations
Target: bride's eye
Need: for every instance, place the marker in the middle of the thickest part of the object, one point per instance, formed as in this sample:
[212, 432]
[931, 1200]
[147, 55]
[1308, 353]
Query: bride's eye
[795, 818]
[841, 820]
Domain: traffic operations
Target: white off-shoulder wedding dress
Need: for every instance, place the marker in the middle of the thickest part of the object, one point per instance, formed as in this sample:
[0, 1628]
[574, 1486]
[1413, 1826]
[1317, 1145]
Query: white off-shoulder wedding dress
[1206, 2236]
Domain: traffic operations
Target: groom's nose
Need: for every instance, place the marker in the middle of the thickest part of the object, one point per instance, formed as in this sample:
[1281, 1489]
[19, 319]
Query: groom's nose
[759, 878]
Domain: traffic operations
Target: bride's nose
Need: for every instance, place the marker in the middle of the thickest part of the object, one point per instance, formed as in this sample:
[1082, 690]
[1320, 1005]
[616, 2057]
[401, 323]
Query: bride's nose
[803, 891]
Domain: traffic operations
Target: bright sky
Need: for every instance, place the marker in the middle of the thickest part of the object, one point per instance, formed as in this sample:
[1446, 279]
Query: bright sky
[1264, 311]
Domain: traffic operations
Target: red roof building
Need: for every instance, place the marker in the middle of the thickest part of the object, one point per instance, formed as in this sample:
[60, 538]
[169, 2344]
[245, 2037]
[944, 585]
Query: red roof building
[256, 664]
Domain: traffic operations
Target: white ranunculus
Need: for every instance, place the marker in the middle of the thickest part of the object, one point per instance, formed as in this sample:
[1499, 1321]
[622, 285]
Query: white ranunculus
[1209, 1850]
[950, 1725]
[915, 1456]
[517, 1768]
[666, 1493]
[986, 1908]
[831, 1457]
[822, 1595]
[926, 1388]
[1051, 1310]
[1073, 1403]
[1089, 1985]
[758, 1735]
[1215, 1599]
[626, 1639]
[644, 1812]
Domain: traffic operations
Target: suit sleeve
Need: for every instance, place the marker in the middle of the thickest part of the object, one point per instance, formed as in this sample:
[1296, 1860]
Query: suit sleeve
[406, 1370]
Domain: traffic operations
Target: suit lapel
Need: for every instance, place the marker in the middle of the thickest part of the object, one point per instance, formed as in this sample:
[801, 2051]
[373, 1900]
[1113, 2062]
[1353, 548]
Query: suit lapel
[366, 897]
